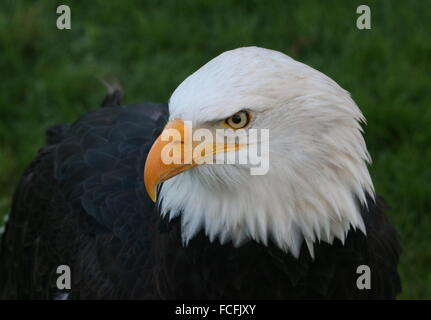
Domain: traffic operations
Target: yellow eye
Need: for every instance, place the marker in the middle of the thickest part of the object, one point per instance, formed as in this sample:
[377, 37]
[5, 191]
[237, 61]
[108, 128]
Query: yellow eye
[238, 120]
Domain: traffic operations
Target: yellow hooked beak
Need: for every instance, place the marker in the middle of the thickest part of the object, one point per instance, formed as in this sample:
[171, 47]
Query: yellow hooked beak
[174, 151]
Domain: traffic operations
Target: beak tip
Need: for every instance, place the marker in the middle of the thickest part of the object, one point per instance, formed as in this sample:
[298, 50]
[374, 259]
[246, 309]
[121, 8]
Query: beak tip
[153, 197]
[151, 191]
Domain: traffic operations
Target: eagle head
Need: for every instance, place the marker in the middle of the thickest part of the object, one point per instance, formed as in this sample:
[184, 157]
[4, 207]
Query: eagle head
[303, 174]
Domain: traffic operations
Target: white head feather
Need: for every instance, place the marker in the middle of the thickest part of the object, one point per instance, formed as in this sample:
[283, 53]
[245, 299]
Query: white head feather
[317, 155]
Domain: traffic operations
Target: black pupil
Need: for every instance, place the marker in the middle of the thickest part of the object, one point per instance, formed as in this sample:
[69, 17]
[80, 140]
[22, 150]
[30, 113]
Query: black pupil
[236, 118]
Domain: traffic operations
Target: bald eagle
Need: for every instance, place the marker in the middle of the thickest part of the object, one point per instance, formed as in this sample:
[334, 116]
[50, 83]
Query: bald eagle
[100, 199]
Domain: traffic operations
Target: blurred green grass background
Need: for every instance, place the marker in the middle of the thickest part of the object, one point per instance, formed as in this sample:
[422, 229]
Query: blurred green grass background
[49, 76]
